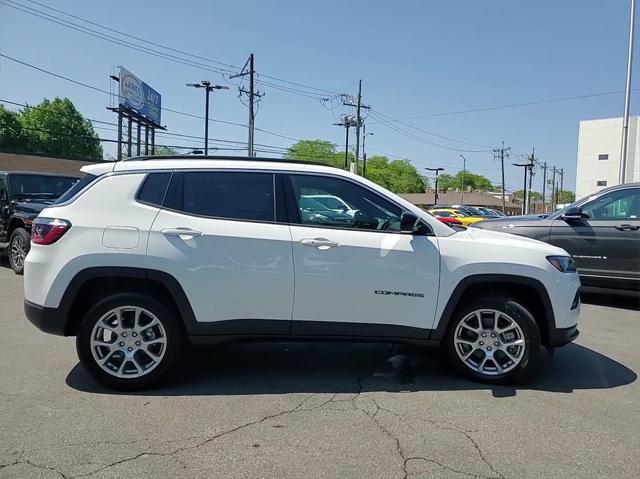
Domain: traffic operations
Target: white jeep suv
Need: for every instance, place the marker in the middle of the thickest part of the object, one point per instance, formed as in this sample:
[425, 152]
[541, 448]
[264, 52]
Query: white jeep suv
[146, 254]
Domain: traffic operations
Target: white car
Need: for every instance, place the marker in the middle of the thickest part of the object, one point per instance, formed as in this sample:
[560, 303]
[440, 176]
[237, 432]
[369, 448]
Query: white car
[145, 255]
[333, 203]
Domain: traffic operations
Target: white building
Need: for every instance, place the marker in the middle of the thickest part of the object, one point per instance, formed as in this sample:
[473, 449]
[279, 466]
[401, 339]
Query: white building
[599, 149]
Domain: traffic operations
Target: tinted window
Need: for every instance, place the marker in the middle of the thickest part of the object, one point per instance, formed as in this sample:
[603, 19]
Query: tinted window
[603, 157]
[601, 183]
[233, 195]
[444, 214]
[39, 186]
[2, 189]
[366, 210]
[71, 192]
[154, 188]
[624, 204]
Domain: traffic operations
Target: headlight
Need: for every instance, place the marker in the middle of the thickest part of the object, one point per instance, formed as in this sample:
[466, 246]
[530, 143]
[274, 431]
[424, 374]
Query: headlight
[564, 264]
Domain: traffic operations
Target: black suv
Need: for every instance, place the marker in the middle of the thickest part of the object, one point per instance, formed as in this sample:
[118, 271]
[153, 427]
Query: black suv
[601, 232]
[22, 196]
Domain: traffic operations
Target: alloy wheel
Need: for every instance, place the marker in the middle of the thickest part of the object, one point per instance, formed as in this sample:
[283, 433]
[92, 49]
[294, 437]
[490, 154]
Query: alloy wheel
[489, 342]
[128, 342]
[18, 251]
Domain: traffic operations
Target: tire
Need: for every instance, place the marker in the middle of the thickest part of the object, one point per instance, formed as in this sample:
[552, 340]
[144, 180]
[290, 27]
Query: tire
[19, 245]
[136, 352]
[511, 354]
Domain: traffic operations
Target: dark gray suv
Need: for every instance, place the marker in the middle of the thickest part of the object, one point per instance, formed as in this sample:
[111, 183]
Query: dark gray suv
[601, 232]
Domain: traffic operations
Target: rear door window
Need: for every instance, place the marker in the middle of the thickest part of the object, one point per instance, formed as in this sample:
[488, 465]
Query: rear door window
[245, 196]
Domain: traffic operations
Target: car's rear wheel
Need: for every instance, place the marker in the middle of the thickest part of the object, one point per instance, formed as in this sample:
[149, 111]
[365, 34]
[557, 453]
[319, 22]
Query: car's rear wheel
[494, 340]
[19, 244]
[128, 341]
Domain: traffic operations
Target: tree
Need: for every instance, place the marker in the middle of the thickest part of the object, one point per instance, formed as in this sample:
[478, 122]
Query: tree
[12, 136]
[471, 181]
[57, 128]
[534, 195]
[399, 176]
[565, 196]
[320, 151]
[165, 151]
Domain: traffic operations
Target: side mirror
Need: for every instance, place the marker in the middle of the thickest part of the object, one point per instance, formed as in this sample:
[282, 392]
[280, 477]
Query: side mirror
[410, 223]
[573, 213]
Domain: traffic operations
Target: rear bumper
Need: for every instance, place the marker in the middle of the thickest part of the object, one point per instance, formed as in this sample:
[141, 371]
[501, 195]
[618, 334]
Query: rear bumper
[560, 337]
[49, 320]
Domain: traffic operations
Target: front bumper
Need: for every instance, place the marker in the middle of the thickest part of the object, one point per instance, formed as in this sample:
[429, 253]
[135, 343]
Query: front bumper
[49, 320]
[560, 337]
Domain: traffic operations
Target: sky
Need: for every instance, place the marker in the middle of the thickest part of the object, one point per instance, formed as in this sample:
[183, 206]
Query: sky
[423, 65]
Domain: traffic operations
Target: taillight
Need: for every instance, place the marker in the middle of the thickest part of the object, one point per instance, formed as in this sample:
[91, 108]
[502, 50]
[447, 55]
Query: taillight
[48, 230]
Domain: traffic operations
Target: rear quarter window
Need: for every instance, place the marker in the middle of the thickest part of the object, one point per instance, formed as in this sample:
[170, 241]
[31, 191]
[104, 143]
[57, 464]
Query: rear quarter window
[154, 188]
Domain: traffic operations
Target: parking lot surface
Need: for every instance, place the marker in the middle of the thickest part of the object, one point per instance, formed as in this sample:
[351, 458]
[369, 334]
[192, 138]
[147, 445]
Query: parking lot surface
[322, 410]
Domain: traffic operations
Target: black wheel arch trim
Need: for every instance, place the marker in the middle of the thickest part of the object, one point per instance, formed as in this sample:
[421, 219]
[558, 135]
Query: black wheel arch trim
[168, 281]
[464, 284]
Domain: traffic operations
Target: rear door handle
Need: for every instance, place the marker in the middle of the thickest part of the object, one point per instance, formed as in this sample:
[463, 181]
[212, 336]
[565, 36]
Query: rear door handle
[320, 243]
[181, 232]
[627, 227]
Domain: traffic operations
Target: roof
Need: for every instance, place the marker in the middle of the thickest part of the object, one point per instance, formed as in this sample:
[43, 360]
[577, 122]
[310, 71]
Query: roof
[41, 164]
[211, 162]
[38, 173]
[453, 198]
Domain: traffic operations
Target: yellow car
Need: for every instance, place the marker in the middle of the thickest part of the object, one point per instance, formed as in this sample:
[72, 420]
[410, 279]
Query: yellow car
[465, 218]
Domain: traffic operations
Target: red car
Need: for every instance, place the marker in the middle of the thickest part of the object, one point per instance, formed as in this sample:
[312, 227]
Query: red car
[449, 221]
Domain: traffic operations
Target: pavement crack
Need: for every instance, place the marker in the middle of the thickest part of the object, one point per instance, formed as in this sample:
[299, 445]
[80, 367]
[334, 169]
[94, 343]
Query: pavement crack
[148, 453]
[450, 427]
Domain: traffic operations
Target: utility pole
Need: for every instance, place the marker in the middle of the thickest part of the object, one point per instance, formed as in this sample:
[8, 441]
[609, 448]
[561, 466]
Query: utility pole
[627, 98]
[358, 123]
[532, 161]
[502, 153]
[544, 186]
[208, 88]
[464, 172]
[437, 170]
[525, 194]
[347, 122]
[553, 189]
[364, 153]
[248, 69]
[561, 181]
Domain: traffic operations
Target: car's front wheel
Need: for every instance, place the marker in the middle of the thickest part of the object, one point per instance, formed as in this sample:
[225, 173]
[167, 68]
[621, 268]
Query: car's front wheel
[128, 341]
[19, 244]
[494, 340]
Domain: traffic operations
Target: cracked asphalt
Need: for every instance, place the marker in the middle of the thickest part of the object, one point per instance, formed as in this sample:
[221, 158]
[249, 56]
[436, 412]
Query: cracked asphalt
[322, 410]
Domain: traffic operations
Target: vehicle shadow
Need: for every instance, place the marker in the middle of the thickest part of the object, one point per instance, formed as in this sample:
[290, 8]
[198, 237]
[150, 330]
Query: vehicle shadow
[280, 368]
[631, 302]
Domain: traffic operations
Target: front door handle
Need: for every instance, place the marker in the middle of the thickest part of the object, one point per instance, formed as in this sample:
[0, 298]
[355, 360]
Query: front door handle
[181, 232]
[320, 243]
[627, 227]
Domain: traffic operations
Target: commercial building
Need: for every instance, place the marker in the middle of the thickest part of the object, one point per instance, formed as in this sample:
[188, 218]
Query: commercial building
[599, 149]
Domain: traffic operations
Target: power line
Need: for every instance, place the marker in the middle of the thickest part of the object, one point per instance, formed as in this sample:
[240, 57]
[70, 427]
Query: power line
[420, 139]
[164, 108]
[224, 69]
[516, 105]
[430, 132]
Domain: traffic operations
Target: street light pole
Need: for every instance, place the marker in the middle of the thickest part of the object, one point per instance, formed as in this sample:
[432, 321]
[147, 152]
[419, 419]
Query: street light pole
[464, 172]
[627, 98]
[437, 170]
[208, 88]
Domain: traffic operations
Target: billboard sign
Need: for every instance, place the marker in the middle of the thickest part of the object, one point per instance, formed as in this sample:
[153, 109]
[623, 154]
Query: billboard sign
[136, 95]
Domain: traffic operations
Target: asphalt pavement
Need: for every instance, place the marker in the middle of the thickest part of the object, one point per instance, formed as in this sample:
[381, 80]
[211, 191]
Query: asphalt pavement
[322, 410]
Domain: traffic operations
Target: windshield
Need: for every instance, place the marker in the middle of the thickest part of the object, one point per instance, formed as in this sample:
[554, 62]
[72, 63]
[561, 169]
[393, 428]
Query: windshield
[462, 214]
[39, 186]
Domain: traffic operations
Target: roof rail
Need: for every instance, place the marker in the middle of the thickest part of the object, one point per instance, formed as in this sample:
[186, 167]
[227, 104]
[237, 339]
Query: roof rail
[226, 158]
